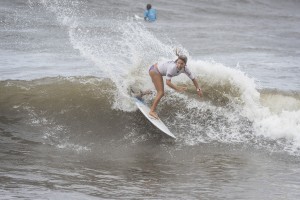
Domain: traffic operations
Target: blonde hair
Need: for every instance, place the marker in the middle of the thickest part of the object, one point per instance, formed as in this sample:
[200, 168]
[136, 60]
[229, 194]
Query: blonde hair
[181, 57]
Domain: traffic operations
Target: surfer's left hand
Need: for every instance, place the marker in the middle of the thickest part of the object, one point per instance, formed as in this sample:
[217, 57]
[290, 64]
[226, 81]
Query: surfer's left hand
[199, 92]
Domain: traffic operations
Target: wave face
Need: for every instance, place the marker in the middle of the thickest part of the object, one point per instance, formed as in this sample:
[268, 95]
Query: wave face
[79, 113]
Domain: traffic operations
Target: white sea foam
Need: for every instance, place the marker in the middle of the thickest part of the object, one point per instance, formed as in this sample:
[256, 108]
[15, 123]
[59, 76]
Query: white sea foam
[273, 120]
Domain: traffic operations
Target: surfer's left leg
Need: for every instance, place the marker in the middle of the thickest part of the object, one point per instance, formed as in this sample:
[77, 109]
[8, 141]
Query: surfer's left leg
[159, 86]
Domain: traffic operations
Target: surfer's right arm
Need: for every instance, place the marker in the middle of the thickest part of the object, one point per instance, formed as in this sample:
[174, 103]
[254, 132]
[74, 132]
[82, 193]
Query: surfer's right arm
[175, 87]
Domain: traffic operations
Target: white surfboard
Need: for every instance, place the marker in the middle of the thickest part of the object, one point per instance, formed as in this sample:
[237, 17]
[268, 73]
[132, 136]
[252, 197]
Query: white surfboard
[156, 122]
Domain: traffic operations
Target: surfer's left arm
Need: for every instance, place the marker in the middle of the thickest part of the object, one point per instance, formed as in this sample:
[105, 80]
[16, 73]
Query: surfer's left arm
[198, 89]
[193, 78]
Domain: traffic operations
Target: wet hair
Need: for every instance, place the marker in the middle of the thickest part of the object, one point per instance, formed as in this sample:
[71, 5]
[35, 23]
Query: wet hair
[149, 6]
[181, 57]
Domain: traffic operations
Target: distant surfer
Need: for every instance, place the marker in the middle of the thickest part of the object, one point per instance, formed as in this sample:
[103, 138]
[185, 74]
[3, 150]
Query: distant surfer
[150, 13]
[169, 69]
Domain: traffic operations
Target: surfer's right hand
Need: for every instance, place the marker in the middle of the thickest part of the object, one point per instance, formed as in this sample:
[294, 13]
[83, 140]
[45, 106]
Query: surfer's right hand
[181, 89]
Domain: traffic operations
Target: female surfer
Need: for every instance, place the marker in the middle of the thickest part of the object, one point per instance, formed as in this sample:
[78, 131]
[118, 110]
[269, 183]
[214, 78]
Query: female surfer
[169, 69]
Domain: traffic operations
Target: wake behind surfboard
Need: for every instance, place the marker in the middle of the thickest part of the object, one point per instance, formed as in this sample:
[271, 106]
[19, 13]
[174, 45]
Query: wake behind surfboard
[145, 110]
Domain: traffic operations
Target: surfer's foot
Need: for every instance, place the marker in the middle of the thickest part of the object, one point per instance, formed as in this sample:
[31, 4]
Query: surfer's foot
[153, 114]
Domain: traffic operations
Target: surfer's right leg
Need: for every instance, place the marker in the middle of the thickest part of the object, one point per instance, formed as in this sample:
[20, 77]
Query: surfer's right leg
[159, 86]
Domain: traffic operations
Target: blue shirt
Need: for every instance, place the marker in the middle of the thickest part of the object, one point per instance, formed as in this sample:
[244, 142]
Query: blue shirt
[150, 15]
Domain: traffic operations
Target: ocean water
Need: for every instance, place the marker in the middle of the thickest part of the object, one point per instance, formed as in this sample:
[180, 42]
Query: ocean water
[69, 129]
